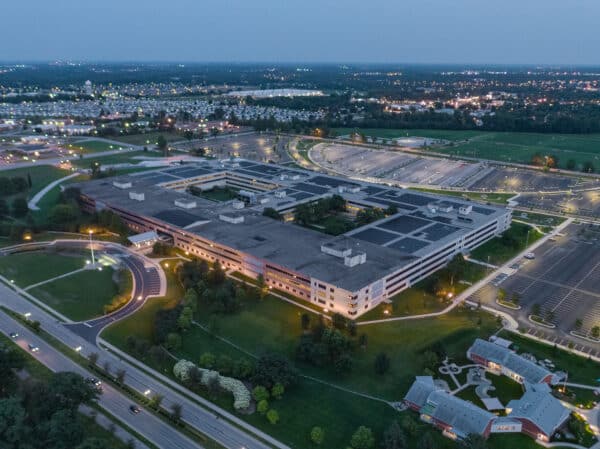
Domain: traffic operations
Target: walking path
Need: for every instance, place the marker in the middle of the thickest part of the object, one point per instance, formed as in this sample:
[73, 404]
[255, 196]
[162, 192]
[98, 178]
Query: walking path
[55, 278]
[38, 196]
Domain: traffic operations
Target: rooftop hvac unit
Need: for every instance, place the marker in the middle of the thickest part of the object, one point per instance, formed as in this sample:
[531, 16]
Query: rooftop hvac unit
[185, 203]
[465, 210]
[238, 204]
[122, 184]
[136, 196]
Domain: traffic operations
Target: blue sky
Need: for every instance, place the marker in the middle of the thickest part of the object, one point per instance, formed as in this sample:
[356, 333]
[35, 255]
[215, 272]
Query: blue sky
[406, 31]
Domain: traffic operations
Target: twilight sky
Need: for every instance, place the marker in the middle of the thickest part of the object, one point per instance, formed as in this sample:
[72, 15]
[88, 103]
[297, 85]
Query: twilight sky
[406, 31]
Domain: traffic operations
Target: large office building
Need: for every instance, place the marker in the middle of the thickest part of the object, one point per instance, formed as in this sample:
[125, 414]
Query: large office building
[349, 273]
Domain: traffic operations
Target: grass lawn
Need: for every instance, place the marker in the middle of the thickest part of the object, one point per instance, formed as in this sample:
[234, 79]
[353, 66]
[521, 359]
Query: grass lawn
[36, 266]
[147, 138]
[94, 146]
[72, 296]
[500, 198]
[498, 250]
[538, 219]
[505, 389]
[417, 300]
[580, 370]
[501, 146]
[395, 133]
[41, 176]
[123, 158]
[219, 194]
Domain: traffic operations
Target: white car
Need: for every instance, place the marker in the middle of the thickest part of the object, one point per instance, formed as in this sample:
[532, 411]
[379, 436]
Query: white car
[529, 256]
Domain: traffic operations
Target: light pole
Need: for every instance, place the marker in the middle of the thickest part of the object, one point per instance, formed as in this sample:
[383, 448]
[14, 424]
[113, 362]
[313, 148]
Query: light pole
[92, 248]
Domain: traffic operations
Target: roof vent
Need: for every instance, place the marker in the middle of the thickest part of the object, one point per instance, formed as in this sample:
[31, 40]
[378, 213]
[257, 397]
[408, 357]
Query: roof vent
[185, 203]
[136, 196]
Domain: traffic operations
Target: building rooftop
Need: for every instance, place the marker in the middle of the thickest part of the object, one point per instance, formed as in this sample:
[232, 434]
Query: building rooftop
[530, 372]
[419, 228]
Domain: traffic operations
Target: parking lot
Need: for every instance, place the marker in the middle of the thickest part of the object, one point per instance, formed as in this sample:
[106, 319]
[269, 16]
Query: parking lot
[403, 167]
[564, 279]
[254, 146]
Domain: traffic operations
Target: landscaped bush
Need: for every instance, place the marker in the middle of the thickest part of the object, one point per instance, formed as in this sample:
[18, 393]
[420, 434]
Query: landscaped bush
[241, 394]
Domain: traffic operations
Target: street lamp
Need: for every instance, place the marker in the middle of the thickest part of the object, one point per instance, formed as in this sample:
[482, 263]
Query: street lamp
[92, 247]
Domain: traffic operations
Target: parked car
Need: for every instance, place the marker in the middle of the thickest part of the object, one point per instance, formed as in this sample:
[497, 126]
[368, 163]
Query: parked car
[134, 409]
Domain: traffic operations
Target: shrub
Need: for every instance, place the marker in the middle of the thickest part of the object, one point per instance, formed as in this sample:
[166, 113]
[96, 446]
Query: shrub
[260, 393]
[273, 416]
[262, 407]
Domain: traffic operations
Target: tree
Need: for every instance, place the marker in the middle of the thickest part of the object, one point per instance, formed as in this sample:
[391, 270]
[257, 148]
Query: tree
[501, 295]
[95, 443]
[14, 431]
[162, 145]
[176, 410]
[317, 435]
[394, 437]
[173, 341]
[578, 323]
[262, 407]
[456, 267]
[207, 360]
[120, 376]
[409, 425]
[184, 322]
[4, 209]
[362, 439]
[20, 207]
[305, 321]
[156, 401]
[277, 391]
[273, 416]
[93, 358]
[338, 321]
[426, 442]
[272, 213]
[382, 363]
[475, 441]
[273, 368]
[595, 332]
[363, 340]
[260, 393]
[64, 430]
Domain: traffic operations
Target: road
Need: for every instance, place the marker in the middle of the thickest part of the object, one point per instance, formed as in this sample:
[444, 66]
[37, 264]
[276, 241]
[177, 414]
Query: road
[198, 413]
[111, 400]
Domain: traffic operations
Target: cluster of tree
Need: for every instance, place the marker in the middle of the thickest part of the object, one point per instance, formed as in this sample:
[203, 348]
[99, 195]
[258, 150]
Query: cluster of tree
[329, 345]
[272, 213]
[309, 213]
[262, 396]
[17, 209]
[241, 368]
[371, 214]
[17, 184]
[96, 171]
[443, 281]
[123, 281]
[36, 414]
[142, 348]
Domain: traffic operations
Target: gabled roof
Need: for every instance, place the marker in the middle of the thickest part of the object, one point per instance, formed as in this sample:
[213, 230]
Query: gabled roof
[528, 370]
[420, 390]
[540, 407]
[464, 416]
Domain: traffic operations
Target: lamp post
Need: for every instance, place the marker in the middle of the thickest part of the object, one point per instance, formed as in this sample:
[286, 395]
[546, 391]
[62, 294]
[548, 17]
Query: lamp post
[92, 248]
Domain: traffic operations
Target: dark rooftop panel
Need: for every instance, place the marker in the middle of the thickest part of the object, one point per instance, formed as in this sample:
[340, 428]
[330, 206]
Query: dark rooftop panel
[375, 235]
[408, 245]
[315, 190]
[404, 224]
[438, 231]
[176, 217]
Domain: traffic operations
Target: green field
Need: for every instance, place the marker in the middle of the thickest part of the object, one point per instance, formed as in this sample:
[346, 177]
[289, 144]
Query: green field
[147, 138]
[500, 198]
[41, 176]
[37, 266]
[417, 300]
[396, 133]
[94, 146]
[502, 146]
[123, 158]
[73, 297]
[497, 251]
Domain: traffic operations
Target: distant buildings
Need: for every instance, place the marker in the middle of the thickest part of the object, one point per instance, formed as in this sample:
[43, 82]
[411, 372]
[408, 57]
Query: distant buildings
[271, 93]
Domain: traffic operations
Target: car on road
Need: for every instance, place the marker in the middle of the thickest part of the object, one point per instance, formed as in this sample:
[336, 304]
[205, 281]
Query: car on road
[13, 335]
[529, 256]
[95, 382]
[33, 348]
[134, 409]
